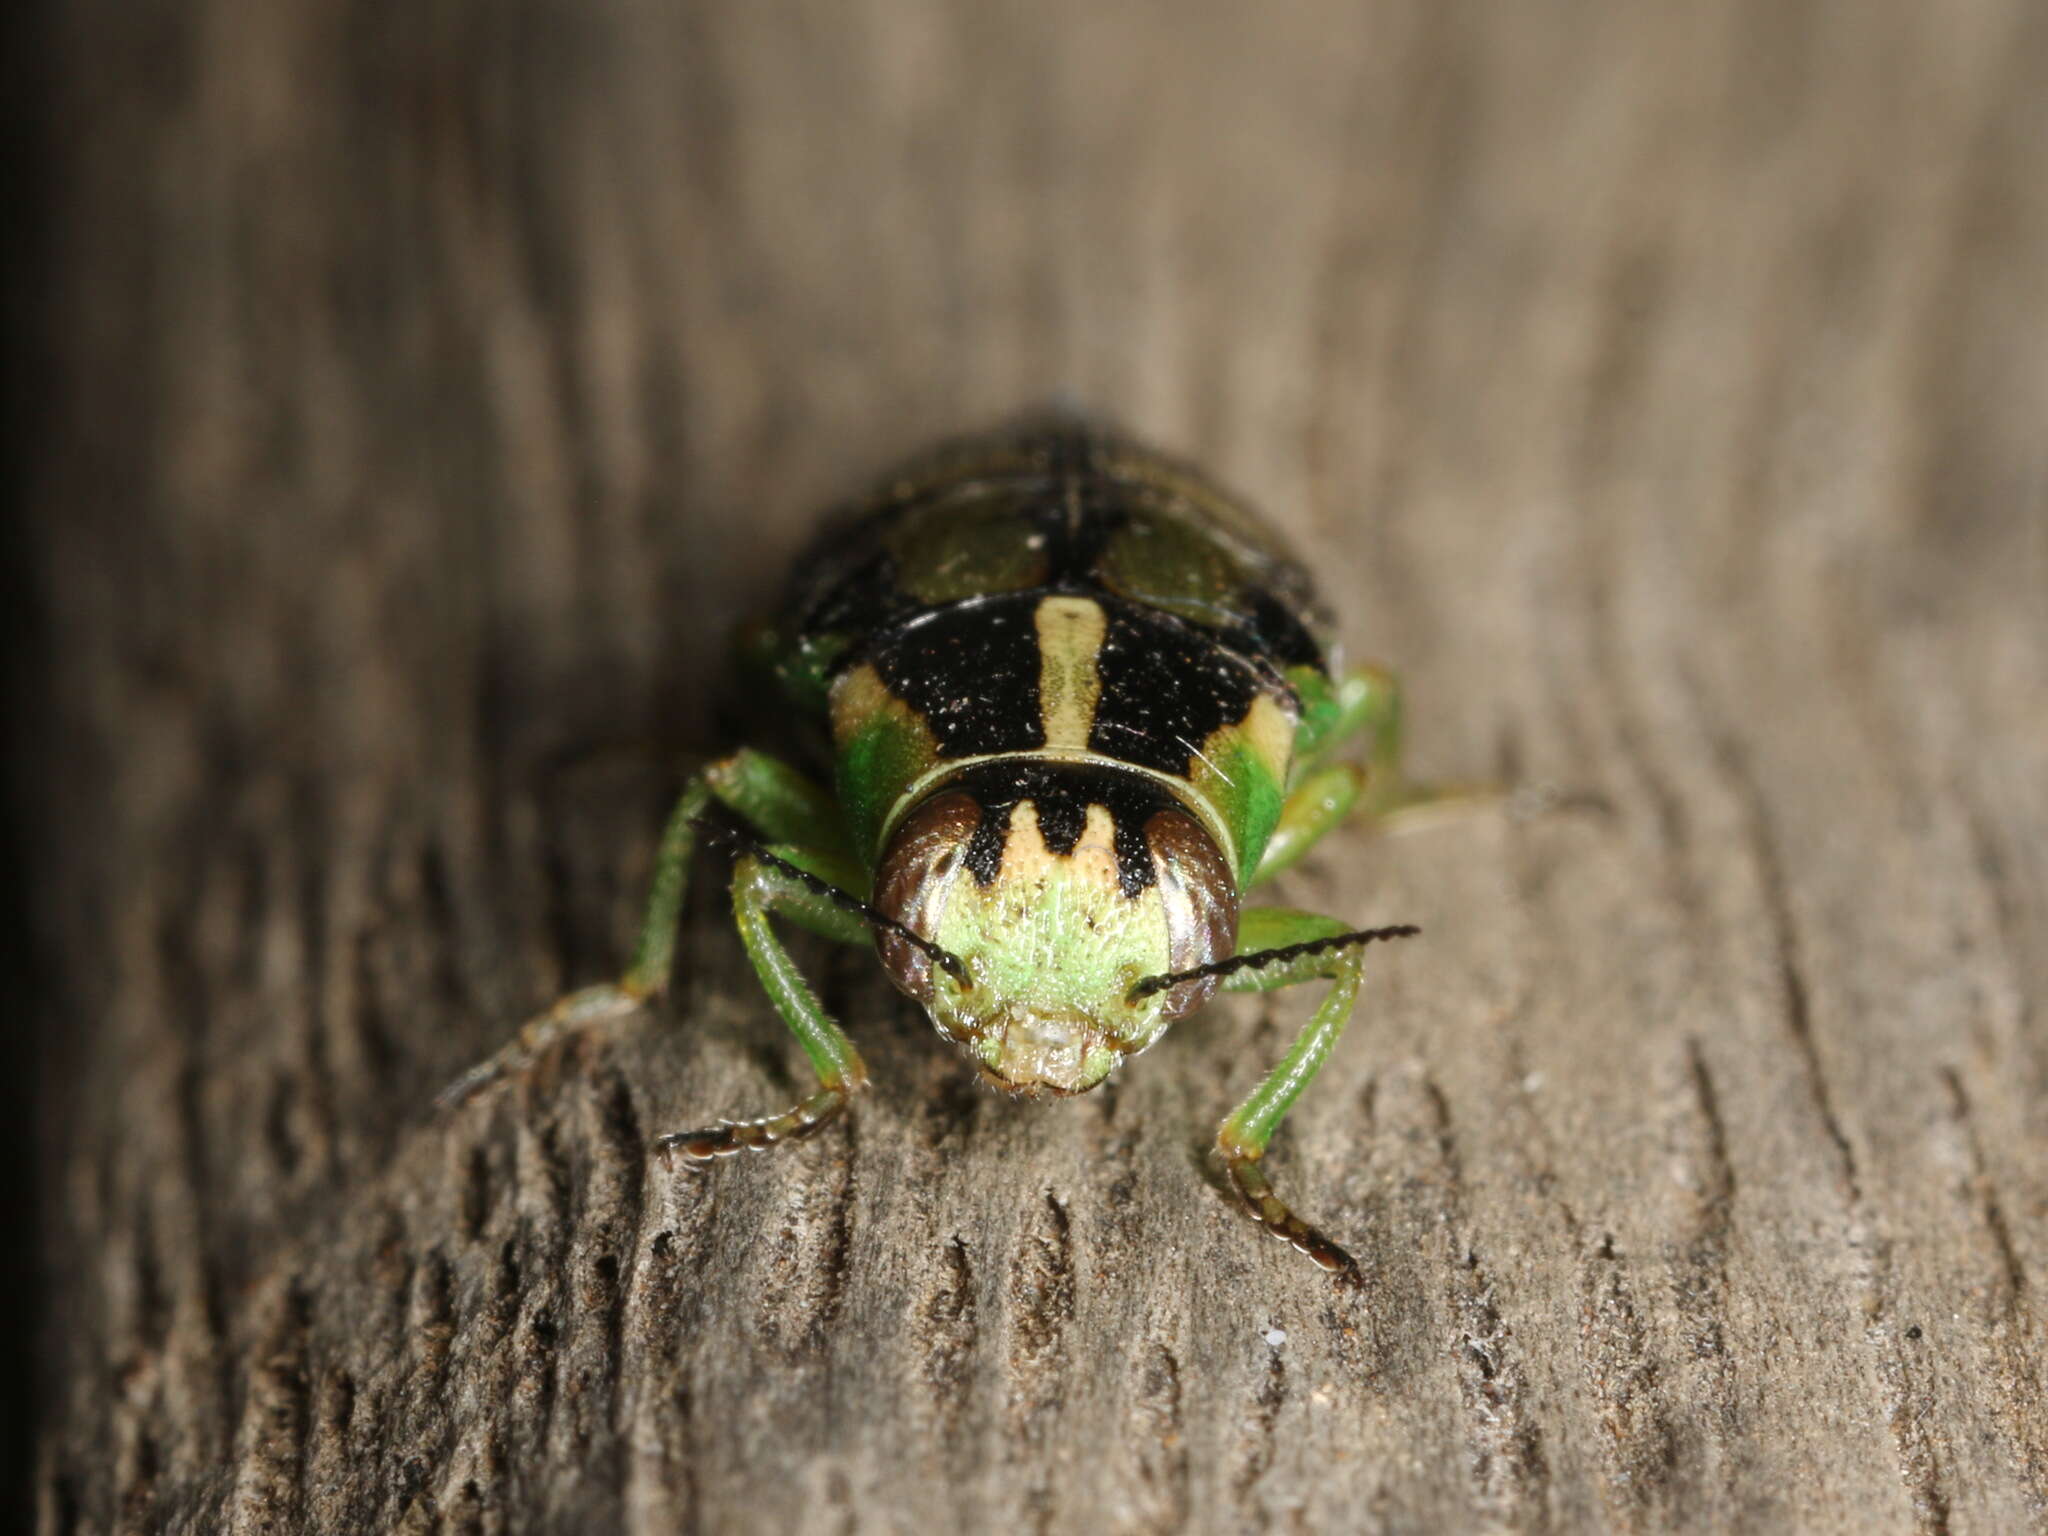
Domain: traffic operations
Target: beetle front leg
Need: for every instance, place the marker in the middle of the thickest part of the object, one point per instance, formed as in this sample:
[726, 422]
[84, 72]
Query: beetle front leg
[772, 796]
[1278, 932]
[761, 892]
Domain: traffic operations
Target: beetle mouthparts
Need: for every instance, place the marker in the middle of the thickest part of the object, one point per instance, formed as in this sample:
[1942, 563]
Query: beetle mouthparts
[1028, 1053]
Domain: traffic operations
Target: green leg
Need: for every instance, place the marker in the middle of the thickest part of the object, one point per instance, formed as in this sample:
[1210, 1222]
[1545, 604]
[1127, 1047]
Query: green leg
[1314, 807]
[1365, 702]
[1334, 711]
[1243, 1138]
[781, 803]
[1392, 800]
[761, 892]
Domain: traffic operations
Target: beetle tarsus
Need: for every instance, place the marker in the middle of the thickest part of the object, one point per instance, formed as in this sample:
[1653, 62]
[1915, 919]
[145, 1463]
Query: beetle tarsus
[1272, 1213]
[730, 1137]
[571, 1015]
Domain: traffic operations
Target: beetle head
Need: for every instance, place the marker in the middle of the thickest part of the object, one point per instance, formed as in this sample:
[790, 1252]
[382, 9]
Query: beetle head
[1058, 888]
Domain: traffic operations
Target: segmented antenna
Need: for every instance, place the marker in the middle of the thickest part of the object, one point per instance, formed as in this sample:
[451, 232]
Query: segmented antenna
[1259, 959]
[740, 840]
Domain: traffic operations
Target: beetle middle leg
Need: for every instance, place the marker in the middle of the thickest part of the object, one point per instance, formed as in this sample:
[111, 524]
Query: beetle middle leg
[773, 797]
[1317, 805]
[1363, 702]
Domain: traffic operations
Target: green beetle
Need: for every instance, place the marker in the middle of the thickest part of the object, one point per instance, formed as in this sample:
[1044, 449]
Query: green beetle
[1079, 702]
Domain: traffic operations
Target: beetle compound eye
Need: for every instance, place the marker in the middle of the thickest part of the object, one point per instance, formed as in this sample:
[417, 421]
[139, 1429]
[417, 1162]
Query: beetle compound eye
[927, 855]
[1199, 900]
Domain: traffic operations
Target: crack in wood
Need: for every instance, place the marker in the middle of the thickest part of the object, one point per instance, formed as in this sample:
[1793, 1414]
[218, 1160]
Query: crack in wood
[1783, 934]
[1701, 1195]
[1504, 1444]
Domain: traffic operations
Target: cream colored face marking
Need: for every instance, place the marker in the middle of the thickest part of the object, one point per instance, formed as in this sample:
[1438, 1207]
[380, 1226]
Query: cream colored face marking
[1070, 631]
[1028, 863]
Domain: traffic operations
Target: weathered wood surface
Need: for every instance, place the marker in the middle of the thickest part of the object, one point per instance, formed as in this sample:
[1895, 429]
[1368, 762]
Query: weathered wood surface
[1662, 388]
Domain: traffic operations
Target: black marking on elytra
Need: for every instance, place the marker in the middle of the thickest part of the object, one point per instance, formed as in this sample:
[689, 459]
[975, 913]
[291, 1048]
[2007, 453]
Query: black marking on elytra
[971, 670]
[863, 601]
[1061, 794]
[1275, 629]
[1082, 511]
[1049, 485]
[1166, 687]
[1068, 488]
[1259, 959]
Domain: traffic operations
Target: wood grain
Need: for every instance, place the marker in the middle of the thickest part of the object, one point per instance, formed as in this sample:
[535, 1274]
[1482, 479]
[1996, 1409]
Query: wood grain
[1660, 388]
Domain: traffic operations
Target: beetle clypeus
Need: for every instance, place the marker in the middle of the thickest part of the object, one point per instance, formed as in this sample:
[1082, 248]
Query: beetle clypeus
[1079, 701]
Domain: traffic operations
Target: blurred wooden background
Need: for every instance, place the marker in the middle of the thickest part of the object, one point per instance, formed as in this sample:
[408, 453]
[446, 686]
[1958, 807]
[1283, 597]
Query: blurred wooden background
[1662, 388]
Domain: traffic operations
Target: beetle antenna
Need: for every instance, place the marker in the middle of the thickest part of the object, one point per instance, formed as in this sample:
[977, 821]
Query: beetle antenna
[743, 841]
[1259, 959]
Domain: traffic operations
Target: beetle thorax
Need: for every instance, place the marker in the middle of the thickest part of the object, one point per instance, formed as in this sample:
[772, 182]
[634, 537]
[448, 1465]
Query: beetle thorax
[1059, 887]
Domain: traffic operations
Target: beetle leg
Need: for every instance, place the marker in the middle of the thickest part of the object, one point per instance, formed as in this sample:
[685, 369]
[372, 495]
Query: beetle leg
[761, 892]
[775, 798]
[1392, 801]
[1243, 1137]
[1338, 711]
[1317, 805]
[1363, 702]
